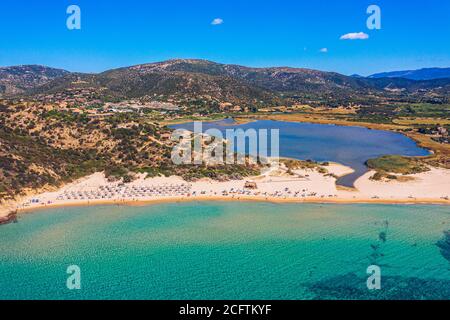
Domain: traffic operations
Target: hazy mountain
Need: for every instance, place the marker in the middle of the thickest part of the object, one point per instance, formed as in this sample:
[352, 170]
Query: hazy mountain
[15, 80]
[189, 79]
[421, 74]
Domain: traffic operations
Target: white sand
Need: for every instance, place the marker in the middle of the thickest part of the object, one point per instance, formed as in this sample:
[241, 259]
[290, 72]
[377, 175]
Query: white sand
[434, 184]
[273, 185]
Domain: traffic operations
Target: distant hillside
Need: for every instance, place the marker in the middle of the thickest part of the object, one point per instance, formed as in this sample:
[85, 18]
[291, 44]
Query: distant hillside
[210, 83]
[421, 74]
[44, 146]
[16, 80]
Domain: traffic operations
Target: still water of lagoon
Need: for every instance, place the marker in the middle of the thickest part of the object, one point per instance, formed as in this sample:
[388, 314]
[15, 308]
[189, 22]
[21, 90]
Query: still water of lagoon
[351, 146]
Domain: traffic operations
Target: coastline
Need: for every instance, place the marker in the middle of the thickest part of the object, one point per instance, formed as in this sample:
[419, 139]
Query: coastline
[273, 186]
[438, 152]
[436, 149]
[364, 192]
[10, 217]
[138, 203]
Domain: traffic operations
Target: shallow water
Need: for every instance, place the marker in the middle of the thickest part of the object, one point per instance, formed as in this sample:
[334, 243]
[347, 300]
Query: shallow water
[351, 146]
[227, 250]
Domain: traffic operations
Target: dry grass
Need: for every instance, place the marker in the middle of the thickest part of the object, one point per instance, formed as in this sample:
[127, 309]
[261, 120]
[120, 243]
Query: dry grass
[318, 118]
[419, 121]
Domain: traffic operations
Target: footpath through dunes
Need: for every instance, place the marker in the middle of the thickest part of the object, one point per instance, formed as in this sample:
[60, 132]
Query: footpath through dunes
[347, 145]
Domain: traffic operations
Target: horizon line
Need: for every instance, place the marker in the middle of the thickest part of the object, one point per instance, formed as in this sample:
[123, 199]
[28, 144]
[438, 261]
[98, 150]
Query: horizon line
[221, 63]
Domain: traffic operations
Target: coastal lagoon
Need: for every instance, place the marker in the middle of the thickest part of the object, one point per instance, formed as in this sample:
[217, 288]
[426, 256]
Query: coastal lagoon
[227, 250]
[351, 146]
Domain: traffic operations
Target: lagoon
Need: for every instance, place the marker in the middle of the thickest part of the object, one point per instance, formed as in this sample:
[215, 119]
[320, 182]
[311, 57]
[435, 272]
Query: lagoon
[348, 145]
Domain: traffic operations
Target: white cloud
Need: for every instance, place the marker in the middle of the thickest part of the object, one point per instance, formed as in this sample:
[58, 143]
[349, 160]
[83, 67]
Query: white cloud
[217, 21]
[324, 50]
[355, 36]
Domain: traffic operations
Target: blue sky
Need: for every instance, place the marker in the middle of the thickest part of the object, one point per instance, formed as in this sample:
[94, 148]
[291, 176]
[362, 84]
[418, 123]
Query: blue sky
[117, 33]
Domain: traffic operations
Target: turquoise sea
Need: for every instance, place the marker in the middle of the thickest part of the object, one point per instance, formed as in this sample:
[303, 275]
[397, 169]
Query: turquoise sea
[227, 250]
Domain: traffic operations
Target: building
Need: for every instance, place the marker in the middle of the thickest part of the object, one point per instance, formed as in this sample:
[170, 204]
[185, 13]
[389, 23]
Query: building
[250, 185]
[442, 131]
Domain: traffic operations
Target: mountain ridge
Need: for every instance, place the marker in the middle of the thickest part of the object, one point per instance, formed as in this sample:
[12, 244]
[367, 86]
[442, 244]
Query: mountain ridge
[18, 79]
[188, 79]
[419, 74]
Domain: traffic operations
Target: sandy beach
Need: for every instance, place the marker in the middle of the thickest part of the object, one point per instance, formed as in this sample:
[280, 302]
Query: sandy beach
[274, 185]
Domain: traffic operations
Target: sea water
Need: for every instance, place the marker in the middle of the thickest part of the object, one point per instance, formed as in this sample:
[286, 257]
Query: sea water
[227, 250]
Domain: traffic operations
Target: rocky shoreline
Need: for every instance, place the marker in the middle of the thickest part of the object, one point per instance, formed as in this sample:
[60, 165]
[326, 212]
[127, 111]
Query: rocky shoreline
[10, 218]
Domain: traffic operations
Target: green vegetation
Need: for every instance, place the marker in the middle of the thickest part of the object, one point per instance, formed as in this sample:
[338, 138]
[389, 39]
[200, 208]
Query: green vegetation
[66, 116]
[387, 166]
[44, 143]
[74, 146]
[293, 164]
[27, 162]
[220, 173]
[425, 110]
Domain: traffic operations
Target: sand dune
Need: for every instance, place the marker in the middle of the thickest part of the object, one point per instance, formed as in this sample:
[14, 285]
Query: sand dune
[272, 185]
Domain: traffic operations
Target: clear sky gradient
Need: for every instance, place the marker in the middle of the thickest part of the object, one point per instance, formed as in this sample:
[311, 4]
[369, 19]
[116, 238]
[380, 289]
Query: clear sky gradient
[295, 33]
